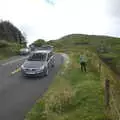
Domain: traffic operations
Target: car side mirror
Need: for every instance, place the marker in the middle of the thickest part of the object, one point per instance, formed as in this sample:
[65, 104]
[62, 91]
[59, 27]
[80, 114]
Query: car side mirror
[47, 59]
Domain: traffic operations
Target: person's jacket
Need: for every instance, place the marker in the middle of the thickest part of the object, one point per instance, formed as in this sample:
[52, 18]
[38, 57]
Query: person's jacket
[83, 59]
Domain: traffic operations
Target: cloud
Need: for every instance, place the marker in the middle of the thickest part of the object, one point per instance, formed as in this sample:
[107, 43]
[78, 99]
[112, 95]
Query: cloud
[51, 19]
[113, 8]
[52, 2]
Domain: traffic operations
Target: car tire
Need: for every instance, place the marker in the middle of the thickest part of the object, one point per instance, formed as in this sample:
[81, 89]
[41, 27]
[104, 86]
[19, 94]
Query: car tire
[53, 65]
[46, 72]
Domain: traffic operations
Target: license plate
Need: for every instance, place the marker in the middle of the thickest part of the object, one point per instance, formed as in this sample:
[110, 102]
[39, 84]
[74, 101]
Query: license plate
[30, 72]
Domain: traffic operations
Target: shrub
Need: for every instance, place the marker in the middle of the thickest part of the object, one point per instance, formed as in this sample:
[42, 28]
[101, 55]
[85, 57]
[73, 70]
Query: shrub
[15, 48]
[4, 43]
[60, 102]
[39, 43]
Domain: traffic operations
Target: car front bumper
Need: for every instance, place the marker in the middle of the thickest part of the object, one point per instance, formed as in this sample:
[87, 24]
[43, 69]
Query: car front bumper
[33, 74]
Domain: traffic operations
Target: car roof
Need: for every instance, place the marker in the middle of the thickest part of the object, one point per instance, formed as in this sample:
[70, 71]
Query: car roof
[47, 46]
[42, 51]
[44, 48]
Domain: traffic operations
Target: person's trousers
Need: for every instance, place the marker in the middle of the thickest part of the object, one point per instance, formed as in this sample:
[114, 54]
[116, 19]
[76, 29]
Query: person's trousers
[83, 66]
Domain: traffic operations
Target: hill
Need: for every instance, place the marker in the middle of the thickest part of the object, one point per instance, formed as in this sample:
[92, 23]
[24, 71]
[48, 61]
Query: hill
[108, 48]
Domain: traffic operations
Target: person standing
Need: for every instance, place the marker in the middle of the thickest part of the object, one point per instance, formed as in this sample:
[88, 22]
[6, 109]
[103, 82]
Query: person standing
[83, 63]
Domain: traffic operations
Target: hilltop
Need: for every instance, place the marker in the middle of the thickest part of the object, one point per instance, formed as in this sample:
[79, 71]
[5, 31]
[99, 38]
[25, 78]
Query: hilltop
[108, 48]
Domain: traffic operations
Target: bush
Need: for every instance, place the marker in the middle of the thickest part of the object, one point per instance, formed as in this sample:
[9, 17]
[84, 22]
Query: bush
[8, 49]
[4, 43]
[39, 43]
[15, 48]
[62, 102]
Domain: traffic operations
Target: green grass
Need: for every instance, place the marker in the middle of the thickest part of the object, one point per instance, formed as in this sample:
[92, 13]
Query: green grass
[109, 55]
[112, 45]
[72, 96]
[11, 50]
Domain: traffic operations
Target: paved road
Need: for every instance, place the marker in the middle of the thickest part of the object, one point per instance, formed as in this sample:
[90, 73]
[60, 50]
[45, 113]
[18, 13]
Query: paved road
[18, 94]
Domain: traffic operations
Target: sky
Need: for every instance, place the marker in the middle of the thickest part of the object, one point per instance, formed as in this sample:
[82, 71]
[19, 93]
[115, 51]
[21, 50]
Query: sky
[52, 19]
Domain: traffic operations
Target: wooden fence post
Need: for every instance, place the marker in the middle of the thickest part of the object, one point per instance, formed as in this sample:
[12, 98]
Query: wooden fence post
[100, 67]
[107, 92]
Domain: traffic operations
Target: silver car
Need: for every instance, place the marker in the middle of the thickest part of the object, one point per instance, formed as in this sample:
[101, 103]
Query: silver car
[38, 63]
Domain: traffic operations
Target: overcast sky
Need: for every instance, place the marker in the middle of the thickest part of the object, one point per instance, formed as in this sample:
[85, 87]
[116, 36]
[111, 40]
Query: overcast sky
[51, 19]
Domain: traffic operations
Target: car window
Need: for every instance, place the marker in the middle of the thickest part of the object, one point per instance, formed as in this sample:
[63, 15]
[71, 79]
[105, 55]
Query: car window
[51, 54]
[48, 56]
[37, 57]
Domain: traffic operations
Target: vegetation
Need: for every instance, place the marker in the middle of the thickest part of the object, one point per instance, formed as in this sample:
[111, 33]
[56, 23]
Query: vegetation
[11, 40]
[39, 43]
[108, 48]
[9, 49]
[10, 33]
[73, 95]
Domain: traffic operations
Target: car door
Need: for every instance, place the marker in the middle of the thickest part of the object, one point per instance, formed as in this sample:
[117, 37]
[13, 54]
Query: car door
[51, 59]
[48, 60]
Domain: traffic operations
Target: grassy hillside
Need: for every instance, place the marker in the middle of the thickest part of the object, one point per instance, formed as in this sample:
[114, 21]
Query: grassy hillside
[109, 45]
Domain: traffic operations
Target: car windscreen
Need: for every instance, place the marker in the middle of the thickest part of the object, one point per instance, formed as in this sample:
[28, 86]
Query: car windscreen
[37, 57]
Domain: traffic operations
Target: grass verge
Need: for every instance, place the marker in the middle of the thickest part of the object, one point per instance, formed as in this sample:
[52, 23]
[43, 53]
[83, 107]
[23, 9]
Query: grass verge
[72, 96]
[11, 50]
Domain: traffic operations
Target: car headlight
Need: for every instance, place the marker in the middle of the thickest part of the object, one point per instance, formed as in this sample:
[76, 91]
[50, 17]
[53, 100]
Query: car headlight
[22, 67]
[41, 68]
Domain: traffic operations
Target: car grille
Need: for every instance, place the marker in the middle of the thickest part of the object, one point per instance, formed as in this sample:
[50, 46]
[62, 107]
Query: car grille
[32, 69]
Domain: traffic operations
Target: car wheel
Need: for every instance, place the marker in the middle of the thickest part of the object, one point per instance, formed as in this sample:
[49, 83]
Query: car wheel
[46, 72]
[53, 65]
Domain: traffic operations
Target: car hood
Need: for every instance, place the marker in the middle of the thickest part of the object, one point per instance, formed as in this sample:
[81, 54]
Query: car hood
[33, 64]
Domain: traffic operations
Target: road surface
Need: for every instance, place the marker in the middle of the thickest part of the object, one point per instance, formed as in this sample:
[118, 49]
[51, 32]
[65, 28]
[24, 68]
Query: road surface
[18, 94]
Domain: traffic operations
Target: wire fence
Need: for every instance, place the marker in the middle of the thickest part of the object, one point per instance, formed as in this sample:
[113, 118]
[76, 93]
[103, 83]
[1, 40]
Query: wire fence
[111, 84]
